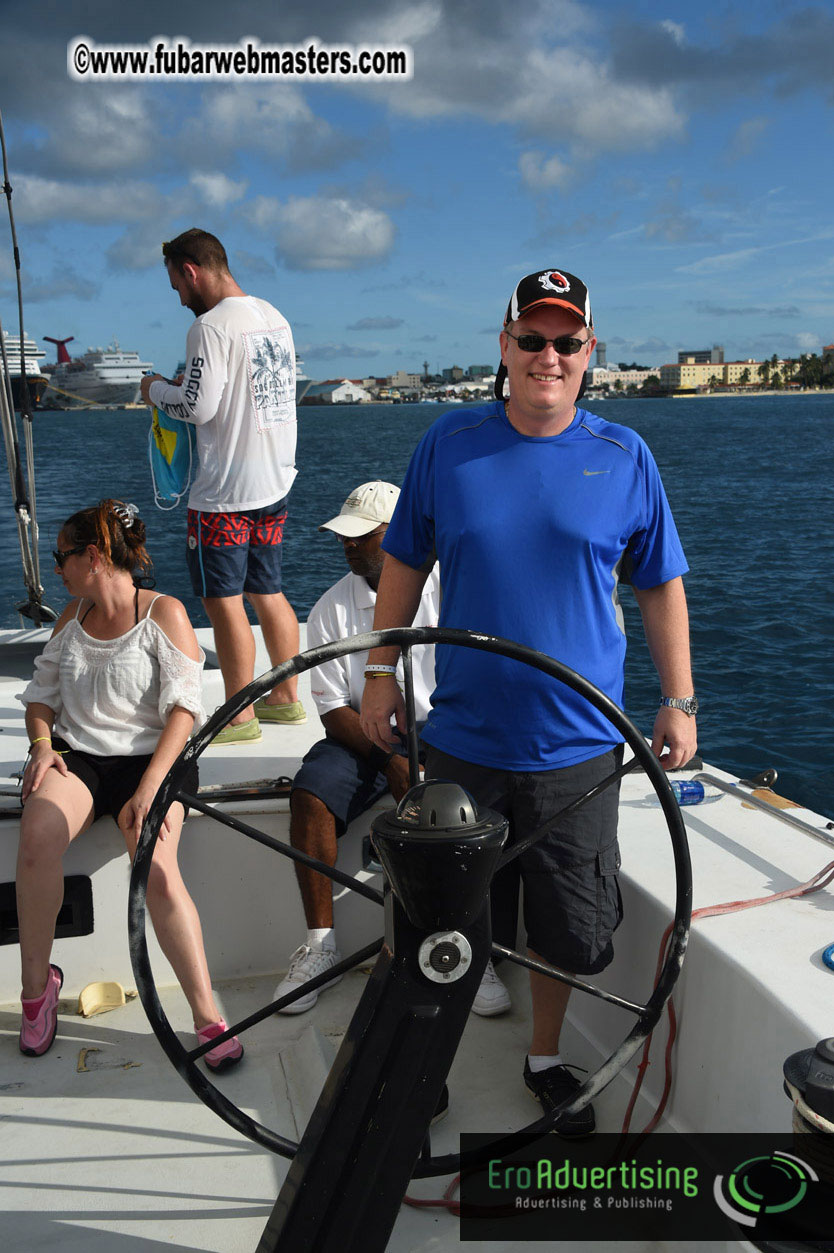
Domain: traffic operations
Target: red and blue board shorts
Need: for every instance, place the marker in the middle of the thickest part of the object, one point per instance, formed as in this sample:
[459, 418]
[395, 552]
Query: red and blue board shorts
[232, 553]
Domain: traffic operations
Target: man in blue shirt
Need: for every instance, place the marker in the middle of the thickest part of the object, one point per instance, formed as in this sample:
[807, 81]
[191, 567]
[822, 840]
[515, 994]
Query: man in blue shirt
[536, 510]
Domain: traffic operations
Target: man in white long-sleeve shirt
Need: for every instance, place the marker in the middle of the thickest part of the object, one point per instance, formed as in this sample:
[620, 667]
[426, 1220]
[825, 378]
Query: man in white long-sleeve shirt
[238, 389]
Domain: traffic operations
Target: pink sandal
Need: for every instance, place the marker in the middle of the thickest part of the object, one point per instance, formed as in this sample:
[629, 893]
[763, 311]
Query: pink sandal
[40, 1016]
[226, 1054]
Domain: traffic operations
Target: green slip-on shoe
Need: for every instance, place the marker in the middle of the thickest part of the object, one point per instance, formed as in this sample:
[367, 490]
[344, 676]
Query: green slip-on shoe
[239, 733]
[289, 715]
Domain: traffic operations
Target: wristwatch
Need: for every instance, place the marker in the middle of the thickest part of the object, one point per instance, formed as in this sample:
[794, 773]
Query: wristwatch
[689, 704]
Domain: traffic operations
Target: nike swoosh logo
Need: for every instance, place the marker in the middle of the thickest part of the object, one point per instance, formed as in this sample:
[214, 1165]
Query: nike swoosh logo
[590, 472]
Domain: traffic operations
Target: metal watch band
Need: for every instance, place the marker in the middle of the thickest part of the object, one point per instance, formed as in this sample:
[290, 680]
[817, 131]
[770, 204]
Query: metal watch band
[689, 704]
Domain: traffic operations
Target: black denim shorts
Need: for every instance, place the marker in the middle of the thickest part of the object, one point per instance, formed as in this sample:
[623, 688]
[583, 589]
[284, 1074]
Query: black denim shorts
[571, 896]
[111, 781]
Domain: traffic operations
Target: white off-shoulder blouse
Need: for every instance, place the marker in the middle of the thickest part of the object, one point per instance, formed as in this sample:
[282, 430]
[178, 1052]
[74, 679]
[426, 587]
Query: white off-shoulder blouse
[113, 697]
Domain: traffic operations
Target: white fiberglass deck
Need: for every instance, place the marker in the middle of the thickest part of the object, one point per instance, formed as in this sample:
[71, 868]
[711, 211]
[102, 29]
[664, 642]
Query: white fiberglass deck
[106, 1148]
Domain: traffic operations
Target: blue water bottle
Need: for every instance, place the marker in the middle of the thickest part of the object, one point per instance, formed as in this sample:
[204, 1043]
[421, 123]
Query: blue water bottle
[687, 791]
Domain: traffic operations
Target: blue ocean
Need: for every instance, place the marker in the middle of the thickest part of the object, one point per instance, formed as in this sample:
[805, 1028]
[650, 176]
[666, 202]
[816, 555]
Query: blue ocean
[751, 484]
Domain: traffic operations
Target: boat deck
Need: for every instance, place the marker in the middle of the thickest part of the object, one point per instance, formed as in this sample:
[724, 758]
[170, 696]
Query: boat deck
[106, 1148]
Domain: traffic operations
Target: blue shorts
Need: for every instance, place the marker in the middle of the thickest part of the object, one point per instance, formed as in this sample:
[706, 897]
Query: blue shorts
[572, 902]
[232, 553]
[345, 783]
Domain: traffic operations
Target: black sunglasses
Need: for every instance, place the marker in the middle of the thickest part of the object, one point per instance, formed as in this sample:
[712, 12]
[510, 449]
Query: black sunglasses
[61, 555]
[565, 345]
[361, 539]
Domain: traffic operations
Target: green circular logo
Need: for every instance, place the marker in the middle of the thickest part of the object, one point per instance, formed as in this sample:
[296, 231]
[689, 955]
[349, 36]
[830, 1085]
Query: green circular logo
[763, 1185]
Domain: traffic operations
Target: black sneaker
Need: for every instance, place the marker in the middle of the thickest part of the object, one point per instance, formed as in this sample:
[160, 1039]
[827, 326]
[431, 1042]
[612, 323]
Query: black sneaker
[553, 1086]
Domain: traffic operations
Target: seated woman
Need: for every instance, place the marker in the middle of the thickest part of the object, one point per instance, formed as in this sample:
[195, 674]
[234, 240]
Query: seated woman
[115, 695]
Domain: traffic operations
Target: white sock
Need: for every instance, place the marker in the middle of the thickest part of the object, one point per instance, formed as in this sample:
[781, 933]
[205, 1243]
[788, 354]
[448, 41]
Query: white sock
[540, 1062]
[319, 938]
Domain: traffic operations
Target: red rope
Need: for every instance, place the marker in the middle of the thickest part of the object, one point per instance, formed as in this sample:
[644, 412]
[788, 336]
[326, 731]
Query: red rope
[819, 880]
[445, 1202]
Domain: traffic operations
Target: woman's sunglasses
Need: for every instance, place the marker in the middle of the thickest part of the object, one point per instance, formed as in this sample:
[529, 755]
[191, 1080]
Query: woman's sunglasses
[61, 555]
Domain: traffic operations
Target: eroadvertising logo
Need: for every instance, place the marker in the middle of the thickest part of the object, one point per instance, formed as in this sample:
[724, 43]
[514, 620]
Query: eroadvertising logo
[667, 1187]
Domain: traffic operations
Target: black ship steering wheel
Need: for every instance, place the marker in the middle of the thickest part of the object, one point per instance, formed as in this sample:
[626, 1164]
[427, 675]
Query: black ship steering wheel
[646, 1015]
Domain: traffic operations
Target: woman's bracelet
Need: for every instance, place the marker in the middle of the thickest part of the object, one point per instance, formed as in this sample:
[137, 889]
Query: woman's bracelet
[370, 671]
[37, 738]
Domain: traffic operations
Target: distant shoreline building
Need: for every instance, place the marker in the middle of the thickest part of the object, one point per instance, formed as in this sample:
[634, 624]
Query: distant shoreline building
[690, 376]
[337, 392]
[702, 356]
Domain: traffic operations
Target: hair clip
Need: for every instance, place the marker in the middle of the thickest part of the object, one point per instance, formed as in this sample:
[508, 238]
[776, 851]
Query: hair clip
[126, 513]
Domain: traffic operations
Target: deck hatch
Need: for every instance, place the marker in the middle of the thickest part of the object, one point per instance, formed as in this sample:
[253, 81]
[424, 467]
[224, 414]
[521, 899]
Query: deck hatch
[75, 918]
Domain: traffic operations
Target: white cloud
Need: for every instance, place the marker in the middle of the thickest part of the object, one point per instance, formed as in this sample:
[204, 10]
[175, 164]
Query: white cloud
[605, 115]
[403, 25]
[63, 282]
[746, 137]
[140, 247]
[334, 352]
[253, 264]
[731, 260]
[218, 190]
[382, 323]
[542, 173]
[318, 234]
[529, 69]
[675, 30]
[321, 233]
[98, 130]
[44, 199]
[272, 120]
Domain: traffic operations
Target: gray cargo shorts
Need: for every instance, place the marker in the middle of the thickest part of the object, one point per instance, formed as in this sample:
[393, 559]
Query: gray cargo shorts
[571, 897]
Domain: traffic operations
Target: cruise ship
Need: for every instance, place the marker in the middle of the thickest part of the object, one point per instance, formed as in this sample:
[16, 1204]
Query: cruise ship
[303, 382]
[35, 376]
[102, 376]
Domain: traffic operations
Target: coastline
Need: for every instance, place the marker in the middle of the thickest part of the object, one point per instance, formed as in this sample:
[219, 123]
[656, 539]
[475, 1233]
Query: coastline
[805, 391]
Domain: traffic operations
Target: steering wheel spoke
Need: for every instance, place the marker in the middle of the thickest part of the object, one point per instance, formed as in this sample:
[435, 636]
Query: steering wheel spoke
[572, 981]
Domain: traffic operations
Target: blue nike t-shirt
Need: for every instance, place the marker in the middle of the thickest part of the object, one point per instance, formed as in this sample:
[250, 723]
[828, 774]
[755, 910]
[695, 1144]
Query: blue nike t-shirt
[533, 536]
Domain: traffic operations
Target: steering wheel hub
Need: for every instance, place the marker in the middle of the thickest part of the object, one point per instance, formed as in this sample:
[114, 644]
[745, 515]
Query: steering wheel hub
[445, 956]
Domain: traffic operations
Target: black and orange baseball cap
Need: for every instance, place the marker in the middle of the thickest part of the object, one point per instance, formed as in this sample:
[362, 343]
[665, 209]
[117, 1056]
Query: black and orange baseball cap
[550, 287]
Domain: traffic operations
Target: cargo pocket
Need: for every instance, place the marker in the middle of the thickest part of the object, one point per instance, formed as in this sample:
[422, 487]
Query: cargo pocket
[609, 903]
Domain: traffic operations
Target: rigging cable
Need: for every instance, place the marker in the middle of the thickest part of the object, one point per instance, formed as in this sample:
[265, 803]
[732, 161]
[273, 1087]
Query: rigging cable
[23, 493]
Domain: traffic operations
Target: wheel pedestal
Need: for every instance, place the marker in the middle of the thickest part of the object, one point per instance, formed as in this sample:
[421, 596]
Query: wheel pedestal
[358, 1153]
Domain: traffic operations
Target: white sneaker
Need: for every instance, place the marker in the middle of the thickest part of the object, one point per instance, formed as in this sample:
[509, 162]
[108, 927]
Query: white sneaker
[492, 997]
[305, 964]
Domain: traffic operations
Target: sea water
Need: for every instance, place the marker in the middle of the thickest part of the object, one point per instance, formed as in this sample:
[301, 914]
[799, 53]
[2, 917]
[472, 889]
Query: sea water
[751, 484]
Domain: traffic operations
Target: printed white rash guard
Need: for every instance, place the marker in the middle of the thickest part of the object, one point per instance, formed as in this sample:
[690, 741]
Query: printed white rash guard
[239, 391]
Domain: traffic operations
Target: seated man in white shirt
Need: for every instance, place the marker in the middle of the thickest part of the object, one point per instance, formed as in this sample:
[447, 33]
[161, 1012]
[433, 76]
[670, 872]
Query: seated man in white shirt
[345, 774]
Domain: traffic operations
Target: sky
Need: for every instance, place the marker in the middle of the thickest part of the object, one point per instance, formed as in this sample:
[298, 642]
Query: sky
[675, 157]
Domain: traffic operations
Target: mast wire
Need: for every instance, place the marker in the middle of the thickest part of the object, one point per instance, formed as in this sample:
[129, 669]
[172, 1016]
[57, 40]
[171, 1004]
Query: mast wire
[23, 491]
